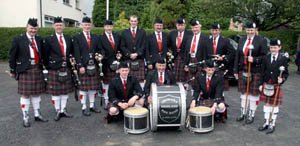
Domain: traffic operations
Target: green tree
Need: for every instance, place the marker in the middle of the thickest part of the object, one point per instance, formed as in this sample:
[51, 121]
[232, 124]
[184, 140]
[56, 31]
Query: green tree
[122, 23]
[99, 12]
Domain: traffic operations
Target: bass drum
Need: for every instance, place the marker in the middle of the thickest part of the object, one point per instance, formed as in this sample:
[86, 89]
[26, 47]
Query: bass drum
[168, 108]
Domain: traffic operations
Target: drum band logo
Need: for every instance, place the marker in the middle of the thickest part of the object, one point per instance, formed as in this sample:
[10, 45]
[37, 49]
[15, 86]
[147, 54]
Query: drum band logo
[169, 110]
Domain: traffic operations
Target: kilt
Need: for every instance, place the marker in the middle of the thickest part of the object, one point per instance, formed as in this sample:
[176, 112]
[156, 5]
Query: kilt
[226, 82]
[270, 99]
[108, 75]
[90, 82]
[190, 75]
[253, 88]
[180, 74]
[31, 82]
[54, 87]
[140, 73]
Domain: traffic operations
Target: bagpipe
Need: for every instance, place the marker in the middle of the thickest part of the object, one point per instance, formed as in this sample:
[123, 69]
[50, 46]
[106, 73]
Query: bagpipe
[115, 65]
[100, 92]
[75, 76]
[170, 60]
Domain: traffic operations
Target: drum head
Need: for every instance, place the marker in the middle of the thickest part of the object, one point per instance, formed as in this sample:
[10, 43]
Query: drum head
[136, 111]
[200, 109]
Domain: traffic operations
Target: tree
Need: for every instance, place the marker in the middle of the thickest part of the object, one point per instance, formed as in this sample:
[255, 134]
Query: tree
[122, 23]
[99, 12]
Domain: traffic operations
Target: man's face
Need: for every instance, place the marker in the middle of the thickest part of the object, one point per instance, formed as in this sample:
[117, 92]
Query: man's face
[158, 27]
[59, 27]
[250, 32]
[209, 71]
[180, 27]
[133, 22]
[161, 67]
[274, 49]
[108, 28]
[215, 32]
[196, 29]
[86, 27]
[124, 72]
[31, 30]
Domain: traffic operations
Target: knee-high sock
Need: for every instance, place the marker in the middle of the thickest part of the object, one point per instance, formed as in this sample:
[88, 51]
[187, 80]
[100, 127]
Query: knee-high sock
[253, 101]
[56, 102]
[267, 111]
[63, 102]
[82, 96]
[105, 92]
[36, 105]
[25, 104]
[243, 102]
[274, 116]
[92, 96]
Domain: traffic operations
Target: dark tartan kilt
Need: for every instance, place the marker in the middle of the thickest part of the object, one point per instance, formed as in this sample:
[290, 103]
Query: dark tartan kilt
[54, 87]
[31, 82]
[108, 75]
[140, 74]
[226, 82]
[90, 82]
[190, 75]
[253, 89]
[270, 99]
[180, 74]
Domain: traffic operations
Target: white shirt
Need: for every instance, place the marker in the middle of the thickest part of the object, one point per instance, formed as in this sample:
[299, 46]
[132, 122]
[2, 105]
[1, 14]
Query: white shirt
[85, 35]
[112, 37]
[182, 33]
[208, 78]
[156, 35]
[163, 76]
[196, 46]
[246, 42]
[63, 39]
[123, 80]
[30, 48]
[134, 29]
[217, 40]
[276, 56]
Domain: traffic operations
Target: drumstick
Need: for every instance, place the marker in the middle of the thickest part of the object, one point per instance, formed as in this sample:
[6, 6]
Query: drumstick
[187, 121]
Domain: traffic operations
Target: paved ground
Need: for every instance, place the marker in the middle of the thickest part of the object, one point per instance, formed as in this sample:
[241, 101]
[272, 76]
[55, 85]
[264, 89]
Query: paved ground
[91, 131]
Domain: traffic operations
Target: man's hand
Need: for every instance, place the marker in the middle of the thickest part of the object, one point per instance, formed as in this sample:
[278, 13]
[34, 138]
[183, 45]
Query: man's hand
[123, 105]
[132, 100]
[236, 76]
[250, 59]
[186, 69]
[213, 108]
[219, 58]
[149, 100]
[193, 104]
[260, 88]
[133, 56]
[280, 80]
[150, 66]
[82, 70]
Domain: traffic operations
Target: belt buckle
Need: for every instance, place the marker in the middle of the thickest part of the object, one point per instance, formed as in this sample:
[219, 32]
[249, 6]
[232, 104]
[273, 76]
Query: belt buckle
[64, 64]
[193, 55]
[32, 62]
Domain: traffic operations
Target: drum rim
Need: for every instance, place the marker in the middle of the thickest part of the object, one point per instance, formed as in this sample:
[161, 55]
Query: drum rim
[136, 115]
[197, 113]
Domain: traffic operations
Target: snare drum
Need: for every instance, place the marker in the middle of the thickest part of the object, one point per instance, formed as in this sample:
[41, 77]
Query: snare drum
[136, 120]
[201, 119]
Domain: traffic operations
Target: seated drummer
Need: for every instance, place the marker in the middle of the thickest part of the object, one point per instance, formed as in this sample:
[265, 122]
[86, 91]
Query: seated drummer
[124, 91]
[160, 76]
[211, 87]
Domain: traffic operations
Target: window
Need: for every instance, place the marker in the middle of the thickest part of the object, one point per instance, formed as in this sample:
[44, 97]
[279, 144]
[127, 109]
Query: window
[77, 3]
[49, 20]
[66, 2]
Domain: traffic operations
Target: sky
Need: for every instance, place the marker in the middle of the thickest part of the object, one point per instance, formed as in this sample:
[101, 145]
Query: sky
[88, 7]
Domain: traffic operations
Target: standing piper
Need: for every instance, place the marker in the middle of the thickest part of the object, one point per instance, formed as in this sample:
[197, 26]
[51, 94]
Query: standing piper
[133, 48]
[57, 49]
[274, 74]
[157, 44]
[177, 41]
[110, 44]
[25, 63]
[220, 50]
[86, 45]
[241, 63]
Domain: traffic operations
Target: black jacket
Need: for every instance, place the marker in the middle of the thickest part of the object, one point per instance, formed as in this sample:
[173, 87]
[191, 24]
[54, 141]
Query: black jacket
[152, 49]
[172, 42]
[223, 48]
[202, 47]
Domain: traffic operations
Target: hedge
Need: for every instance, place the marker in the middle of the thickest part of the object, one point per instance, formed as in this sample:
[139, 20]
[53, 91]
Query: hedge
[289, 38]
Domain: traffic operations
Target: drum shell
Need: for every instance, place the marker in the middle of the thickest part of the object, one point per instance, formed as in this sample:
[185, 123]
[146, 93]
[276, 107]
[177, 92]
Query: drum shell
[136, 123]
[201, 122]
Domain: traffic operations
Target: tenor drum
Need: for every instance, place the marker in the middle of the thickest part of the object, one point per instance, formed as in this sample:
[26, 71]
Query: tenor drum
[168, 108]
[136, 120]
[201, 119]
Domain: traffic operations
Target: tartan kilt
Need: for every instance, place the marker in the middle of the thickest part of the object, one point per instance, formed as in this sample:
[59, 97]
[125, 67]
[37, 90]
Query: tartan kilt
[180, 74]
[270, 99]
[190, 75]
[54, 87]
[226, 82]
[90, 82]
[31, 82]
[140, 74]
[253, 88]
[108, 75]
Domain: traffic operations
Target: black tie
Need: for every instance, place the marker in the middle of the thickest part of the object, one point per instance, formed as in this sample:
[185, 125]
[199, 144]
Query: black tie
[274, 60]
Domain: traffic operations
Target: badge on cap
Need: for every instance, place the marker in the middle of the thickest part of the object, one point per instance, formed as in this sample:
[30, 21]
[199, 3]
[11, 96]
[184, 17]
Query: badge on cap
[278, 42]
[254, 25]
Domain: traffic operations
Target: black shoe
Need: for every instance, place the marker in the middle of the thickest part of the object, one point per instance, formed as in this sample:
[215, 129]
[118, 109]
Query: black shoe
[66, 114]
[270, 129]
[85, 112]
[250, 120]
[95, 110]
[240, 118]
[40, 119]
[263, 127]
[26, 123]
[57, 116]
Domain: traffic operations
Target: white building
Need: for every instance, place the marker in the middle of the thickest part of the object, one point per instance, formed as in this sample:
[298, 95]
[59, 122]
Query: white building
[15, 13]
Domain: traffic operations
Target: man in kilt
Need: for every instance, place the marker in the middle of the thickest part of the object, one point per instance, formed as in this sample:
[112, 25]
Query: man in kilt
[221, 51]
[124, 92]
[85, 46]
[271, 78]
[110, 46]
[133, 48]
[177, 41]
[57, 49]
[196, 47]
[25, 63]
[209, 92]
[242, 58]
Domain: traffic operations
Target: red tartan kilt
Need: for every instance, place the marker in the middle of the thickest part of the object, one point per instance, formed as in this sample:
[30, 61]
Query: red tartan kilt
[253, 89]
[226, 82]
[108, 75]
[31, 82]
[140, 74]
[90, 82]
[270, 99]
[54, 87]
[190, 75]
[180, 74]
